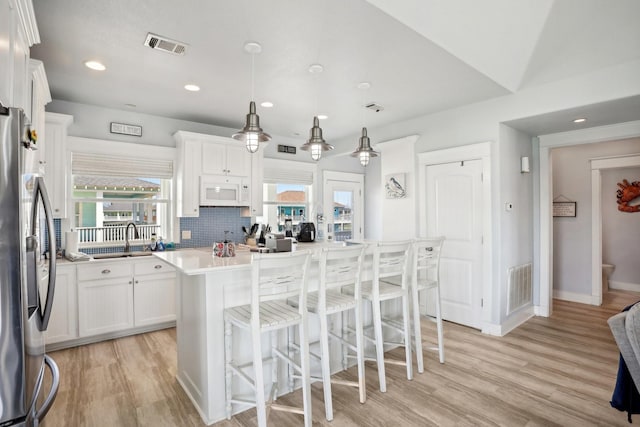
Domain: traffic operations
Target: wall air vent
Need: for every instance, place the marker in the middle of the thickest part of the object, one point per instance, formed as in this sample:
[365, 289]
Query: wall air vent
[374, 107]
[164, 44]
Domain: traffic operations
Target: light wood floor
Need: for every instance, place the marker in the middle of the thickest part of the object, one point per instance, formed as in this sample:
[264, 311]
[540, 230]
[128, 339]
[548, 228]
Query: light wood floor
[551, 371]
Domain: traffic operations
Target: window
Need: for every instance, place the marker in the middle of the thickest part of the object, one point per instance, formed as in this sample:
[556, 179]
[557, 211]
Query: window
[287, 194]
[109, 192]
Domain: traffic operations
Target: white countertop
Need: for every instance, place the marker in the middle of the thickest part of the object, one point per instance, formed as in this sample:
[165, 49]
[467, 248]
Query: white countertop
[201, 260]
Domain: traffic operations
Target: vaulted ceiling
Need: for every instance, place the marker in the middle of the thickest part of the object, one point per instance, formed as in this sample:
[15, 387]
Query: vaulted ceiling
[420, 56]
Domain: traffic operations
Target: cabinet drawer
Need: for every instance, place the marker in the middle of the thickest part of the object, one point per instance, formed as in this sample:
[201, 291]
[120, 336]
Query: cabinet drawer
[104, 270]
[152, 266]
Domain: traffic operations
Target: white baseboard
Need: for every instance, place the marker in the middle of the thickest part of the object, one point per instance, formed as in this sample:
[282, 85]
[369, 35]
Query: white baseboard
[624, 286]
[509, 324]
[542, 311]
[573, 297]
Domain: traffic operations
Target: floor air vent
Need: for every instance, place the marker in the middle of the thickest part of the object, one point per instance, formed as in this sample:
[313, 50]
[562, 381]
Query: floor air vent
[519, 287]
[164, 44]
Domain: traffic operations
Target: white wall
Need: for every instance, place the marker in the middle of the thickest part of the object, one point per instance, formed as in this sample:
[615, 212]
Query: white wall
[516, 188]
[620, 230]
[572, 236]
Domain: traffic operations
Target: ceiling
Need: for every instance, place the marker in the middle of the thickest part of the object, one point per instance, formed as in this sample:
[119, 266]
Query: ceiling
[420, 56]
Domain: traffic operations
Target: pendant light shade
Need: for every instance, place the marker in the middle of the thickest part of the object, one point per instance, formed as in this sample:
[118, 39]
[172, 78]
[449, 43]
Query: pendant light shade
[316, 144]
[252, 134]
[364, 152]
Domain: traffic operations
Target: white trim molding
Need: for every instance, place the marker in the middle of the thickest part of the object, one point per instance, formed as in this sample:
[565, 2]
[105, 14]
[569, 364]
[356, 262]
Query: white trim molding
[624, 286]
[510, 323]
[573, 297]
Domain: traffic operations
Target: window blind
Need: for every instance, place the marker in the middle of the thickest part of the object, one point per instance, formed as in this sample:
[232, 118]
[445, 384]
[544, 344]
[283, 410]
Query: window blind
[284, 176]
[107, 165]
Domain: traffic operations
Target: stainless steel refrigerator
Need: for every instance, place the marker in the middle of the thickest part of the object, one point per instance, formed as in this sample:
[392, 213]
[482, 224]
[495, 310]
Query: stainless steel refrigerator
[27, 280]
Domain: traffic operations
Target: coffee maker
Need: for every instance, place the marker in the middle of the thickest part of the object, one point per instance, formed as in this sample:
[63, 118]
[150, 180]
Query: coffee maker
[307, 232]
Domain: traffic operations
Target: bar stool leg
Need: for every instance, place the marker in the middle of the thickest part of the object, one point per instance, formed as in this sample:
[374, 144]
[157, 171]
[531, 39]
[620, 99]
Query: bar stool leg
[326, 368]
[303, 329]
[291, 373]
[261, 408]
[407, 335]
[343, 334]
[228, 350]
[439, 325]
[274, 366]
[377, 325]
[417, 329]
[360, 349]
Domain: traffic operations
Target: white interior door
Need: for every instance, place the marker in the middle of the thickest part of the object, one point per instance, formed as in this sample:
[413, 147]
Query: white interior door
[343, 207]
[454, 210]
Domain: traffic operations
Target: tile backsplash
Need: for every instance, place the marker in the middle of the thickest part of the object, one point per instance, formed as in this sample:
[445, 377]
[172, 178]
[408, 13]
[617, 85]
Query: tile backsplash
[210, 226]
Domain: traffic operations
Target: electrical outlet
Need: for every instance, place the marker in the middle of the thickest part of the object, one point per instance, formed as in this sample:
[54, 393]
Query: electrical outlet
[186, 234]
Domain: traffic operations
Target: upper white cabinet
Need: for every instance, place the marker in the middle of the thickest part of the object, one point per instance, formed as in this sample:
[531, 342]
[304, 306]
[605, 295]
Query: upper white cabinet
[39, 96]
[18, 32]
[200, 154]
[56, 161]
[225, 158]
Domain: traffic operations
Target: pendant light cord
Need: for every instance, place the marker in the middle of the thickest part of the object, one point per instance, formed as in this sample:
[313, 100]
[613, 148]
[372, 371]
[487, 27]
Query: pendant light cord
[253, 58]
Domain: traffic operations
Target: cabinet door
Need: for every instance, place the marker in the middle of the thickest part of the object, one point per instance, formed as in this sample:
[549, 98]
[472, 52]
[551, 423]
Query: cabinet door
[55, 141]
[154, 298]
[20, 72]
[238, 160]
[105, 306]
[189, 167]
[214, 159]
[63, 323]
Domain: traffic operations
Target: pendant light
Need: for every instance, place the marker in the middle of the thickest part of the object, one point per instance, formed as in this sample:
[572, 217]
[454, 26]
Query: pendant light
[316, 144]
[364, 152]
[252, 134]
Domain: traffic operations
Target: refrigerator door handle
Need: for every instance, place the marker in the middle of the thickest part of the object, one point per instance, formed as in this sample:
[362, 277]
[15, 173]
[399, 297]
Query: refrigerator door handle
[40, 189]
[55, 383]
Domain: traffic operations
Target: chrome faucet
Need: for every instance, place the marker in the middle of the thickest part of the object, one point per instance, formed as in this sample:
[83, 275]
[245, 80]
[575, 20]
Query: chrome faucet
[127, 247]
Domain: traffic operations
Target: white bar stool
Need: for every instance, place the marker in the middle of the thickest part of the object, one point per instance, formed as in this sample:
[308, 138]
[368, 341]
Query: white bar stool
[425, 275]
[339, 267]
[390, 264]
[274, 279]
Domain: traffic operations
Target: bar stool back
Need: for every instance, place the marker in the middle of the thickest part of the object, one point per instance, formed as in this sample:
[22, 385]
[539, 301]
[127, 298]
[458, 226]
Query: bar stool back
[426, 276]
[274, 279]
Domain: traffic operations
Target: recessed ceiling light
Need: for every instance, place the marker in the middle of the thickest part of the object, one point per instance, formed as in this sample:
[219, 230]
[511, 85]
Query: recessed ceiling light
[267, 104]
[580, 120]
[192, 87]
[130, 105]
[364, 85]
[95, 65]
[316, 68]
[322, 117]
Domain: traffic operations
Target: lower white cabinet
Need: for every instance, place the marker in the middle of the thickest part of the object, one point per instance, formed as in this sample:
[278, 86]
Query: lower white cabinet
[106, 299]
[154, 293]
[63, 323]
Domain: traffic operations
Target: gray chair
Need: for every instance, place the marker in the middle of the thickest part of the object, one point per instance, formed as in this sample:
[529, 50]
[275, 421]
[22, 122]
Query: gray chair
[625, 327]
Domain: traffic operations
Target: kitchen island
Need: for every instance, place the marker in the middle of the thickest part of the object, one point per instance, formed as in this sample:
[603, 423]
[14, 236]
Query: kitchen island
[206, 285]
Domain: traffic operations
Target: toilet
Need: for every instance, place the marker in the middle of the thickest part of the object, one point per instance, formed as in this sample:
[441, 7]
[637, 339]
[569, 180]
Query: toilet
[607, 269]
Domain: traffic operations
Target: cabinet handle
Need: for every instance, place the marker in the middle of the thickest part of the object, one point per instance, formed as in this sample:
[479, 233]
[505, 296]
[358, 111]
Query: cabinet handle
[130, 282]
[57, 210]
[157, 267]
[137, 282]
[106, 271]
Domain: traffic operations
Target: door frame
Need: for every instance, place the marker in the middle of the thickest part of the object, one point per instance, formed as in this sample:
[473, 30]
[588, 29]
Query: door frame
[480, 151]
[354, 178]
[546, 144]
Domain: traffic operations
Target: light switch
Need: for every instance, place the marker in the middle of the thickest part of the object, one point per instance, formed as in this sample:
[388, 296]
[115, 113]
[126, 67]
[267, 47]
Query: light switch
[186, 234]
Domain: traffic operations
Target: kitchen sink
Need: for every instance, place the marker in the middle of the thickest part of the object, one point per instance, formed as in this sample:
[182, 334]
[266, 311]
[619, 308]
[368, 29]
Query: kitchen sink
[121, 255]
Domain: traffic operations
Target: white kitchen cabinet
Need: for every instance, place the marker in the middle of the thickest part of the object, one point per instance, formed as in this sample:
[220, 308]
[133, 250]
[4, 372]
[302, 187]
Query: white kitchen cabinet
[188, 172]
[56, 163]
[6, 62]
[225, 157]
[39, 96]
[154, 290]
[63, 323]
[105, 297]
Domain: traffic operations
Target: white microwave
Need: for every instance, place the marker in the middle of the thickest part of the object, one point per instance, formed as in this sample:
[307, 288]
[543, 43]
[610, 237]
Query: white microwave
[220, 190]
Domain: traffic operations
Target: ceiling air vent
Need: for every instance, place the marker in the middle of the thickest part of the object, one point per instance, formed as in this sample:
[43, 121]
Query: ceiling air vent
[164, 44]
[374, 107]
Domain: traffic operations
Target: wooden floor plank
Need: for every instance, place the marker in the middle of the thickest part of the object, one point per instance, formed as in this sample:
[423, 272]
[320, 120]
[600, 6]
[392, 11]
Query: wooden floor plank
[556, 371]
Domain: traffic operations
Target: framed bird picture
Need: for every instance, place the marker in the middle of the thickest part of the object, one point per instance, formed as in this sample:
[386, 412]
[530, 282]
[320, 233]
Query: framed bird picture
[395, 186]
